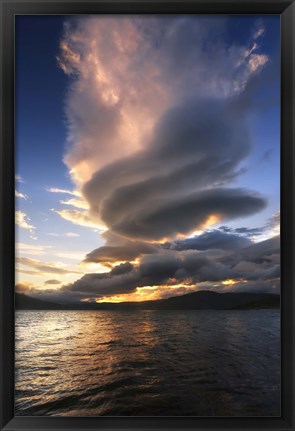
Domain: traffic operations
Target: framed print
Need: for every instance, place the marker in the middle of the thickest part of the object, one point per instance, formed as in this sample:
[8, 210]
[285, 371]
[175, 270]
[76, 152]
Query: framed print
[147, 215]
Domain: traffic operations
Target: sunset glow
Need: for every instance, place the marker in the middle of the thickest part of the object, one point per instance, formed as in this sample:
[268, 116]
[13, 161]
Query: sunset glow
[149, 167]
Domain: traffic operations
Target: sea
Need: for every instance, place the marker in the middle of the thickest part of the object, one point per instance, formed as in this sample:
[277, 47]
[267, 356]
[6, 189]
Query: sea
[147, 363]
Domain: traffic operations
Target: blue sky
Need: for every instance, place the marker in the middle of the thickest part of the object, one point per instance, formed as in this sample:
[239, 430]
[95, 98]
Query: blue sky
[41, 88]
[40, 91]
[97, 96]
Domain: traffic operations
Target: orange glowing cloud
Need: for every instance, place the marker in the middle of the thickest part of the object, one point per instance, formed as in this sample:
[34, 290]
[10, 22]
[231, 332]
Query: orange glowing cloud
[150, 293]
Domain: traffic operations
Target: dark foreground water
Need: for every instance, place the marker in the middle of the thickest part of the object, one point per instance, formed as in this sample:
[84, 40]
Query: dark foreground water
[148, 363]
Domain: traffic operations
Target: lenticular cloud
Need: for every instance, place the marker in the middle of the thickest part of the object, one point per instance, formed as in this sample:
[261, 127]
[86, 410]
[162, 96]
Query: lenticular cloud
[156, 132]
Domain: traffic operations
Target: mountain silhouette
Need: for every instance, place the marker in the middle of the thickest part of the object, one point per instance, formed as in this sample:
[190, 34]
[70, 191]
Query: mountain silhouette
[201, 300]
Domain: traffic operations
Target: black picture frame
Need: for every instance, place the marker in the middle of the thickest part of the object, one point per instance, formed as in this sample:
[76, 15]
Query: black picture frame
[10, 8]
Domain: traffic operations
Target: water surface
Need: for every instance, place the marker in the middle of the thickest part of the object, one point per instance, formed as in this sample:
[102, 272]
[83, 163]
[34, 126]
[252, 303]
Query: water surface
[148, 363]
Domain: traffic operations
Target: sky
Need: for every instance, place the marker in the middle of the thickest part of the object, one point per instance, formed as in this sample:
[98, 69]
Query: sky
[147, 155]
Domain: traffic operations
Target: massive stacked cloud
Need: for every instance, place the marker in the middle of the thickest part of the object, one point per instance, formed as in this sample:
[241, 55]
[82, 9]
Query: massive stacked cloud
[127, 73]
[157, 135]
[175, 185]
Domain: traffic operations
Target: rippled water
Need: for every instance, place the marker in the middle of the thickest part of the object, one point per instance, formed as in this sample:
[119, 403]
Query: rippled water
[148, 363]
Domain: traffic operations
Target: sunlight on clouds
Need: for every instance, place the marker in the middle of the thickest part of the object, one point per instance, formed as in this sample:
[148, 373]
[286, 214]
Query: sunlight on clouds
[257, 61]
[151, 293]
[19, 270]
[42, 267]
[250, 50]
[77, 203]
[95, 267]
[229, 282]
[157, 136]
[273, 227]
[35, 288]
[211, 221]
[101, 86]
[26, 287]
[32, 248]
[63, 191]
[271, 233]
[80, 218]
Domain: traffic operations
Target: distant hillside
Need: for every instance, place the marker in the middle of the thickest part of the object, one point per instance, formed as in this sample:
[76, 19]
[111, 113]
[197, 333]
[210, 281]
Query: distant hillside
[202, 300]
[24, 302]
[266, 303]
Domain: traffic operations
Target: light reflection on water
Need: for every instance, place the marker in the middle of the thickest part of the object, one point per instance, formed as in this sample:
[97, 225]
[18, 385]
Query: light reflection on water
[148, 363]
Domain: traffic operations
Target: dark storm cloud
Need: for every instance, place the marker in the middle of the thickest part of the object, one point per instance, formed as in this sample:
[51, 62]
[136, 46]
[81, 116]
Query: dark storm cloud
[113, 253]
[257, 286]
[262, 251]
[170, 218]
[123, 268]
[179, 181]
[125, 278]
[268, 273]
[201, 268]
[218, 239]
[214, 239]
[159, 267]
[103, 284]
[257, 263]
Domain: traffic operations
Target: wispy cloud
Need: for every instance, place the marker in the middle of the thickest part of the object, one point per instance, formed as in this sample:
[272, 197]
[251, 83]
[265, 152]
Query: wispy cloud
[21, 195]
[63, 191]
[71, 255]
[77, 203]
[42, 267]
[72, 235]
[23, 221]
[80, 218]
[32, 249]
[19, 179]
[65, 235]
[259, 32]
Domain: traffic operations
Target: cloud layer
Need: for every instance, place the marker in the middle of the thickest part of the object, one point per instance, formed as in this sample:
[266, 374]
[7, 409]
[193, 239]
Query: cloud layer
[250, 267]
